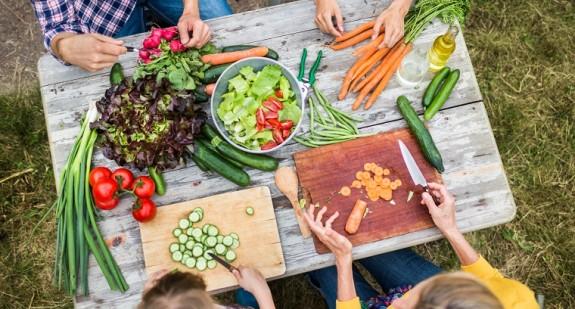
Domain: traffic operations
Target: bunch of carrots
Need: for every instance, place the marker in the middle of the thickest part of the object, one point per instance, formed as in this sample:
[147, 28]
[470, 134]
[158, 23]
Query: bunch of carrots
[374, 68]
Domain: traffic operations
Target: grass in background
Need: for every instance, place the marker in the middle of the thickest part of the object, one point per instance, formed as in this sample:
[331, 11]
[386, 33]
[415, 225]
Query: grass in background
[523, 55]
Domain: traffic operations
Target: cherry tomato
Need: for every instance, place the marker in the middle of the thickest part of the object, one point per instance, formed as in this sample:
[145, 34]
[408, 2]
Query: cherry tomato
[267, 125]
[271, 115]
[279, 94]
[278, 137]
[260, 117]
[277, 103]
[105, 190]
[123, 177]
[259, 127]
[270, 106]
[269, 145]
[144, 210]
[286, 125]
[99, 173]
[286, 133]
[144, 187]
[108, 205]
[274, 123]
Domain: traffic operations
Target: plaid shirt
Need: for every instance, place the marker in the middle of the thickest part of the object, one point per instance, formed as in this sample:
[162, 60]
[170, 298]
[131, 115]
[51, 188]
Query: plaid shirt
[81, 16]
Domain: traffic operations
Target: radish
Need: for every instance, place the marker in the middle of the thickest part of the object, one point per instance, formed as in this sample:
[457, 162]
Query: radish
[176, 46]
[152, 42]
[169, 33]
[156, 32]
[144, 54]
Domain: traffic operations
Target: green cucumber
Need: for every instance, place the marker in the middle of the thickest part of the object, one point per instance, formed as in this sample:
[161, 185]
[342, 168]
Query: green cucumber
[272, 54]
[260, 162]
[250, 211]
[433, 86]
[214, 149]
[201, 164]
[212, 74]
[421, 133]
[219, 165]
[158, 180]
[116, 74]
[442, 95]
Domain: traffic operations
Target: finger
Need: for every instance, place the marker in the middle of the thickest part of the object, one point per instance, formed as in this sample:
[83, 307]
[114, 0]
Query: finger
[329, 24]
[104, 58]
[339, 20]
[184, 34]
[97, 66]
[329, 221]
[320, 215]
[110, 49]
[237, 274]
[196, 35]
[207, 37]
[388, 37]
[428, 201]
[320, 24]
[107, 39]
[376, 29]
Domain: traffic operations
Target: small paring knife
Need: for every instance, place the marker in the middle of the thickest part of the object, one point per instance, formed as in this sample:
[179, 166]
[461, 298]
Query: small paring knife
[218, 259]
[414, 171]
[132, 49]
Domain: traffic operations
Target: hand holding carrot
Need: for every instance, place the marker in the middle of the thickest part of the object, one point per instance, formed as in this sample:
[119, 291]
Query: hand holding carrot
[336, 243]
[391, 19]
[326, 10]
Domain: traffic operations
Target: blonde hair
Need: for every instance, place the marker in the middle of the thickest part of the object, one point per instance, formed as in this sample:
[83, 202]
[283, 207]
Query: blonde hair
[456, 291]
[178, 290]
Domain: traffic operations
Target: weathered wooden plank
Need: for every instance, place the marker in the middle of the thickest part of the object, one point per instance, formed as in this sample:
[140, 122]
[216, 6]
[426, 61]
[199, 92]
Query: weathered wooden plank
[473, 173]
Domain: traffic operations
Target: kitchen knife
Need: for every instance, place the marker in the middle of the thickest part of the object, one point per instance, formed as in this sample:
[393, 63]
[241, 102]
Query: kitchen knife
[132, 49]
[414, 171]
[218, 259]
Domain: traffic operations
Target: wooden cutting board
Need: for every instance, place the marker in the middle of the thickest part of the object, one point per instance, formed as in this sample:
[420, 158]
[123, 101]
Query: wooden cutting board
[323, 171]
[259, 238]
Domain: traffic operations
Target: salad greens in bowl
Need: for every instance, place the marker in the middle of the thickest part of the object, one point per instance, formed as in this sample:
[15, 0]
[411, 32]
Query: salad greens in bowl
[257, 105]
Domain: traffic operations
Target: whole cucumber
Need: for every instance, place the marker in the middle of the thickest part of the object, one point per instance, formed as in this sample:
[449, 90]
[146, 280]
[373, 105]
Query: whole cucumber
[433, 86]
[442, 95]
[213, 148]
[260, 162]
[421, 133]
[272, 54]
[201, 164]
[212, 74]
[219, 165]
[158, 180]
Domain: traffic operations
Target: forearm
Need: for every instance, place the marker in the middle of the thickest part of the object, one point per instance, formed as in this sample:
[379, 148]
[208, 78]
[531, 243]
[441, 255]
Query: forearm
[345, 284]
[401, 5]
[265, 299]
[466, 254]
[191, 7]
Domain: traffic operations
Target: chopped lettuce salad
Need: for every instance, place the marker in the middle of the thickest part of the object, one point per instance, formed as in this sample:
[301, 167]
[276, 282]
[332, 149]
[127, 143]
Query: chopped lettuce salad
[259, 110]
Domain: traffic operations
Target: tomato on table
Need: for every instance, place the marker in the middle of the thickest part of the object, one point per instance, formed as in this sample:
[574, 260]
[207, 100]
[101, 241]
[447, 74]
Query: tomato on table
[123, 177]
[144, 210]
[98, 173]
[105, 190]
[108, 205]
[144, 187]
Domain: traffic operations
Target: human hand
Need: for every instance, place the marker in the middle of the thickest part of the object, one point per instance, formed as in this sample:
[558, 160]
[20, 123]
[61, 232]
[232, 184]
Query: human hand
[154, 278]
[391, 20]
[90, 51]
[201, 33]
[325, 11]
[337, 243]
[443, 215]
[250, 279]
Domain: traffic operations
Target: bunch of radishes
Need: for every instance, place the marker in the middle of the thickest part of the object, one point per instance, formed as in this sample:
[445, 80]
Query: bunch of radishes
[152, 46]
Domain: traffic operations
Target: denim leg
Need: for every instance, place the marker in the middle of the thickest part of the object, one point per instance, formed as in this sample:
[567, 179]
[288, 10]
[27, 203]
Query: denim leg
[135, 23]
[171, 10]
[246, 299]
[214, 8]
[401, 267]
[325, 280]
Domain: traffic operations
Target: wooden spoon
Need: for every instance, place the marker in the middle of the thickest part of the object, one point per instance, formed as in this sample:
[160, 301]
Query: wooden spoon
[286, 181]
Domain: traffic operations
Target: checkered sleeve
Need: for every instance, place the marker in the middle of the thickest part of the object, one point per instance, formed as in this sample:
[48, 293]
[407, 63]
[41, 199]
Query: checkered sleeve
[55, 16]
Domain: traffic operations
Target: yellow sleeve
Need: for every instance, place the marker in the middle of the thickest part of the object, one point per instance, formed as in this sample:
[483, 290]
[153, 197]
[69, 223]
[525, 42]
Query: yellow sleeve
[348, 304]
[482, 269]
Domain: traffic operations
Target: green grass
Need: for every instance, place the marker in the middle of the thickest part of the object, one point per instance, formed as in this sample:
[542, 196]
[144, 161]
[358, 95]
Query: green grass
[523, 55]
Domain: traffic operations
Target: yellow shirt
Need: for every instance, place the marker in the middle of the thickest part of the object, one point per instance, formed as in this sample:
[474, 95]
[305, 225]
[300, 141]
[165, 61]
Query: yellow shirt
[512, 294]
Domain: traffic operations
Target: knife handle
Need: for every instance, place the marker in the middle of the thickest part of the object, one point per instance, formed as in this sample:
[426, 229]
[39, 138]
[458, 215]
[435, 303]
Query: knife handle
[435, 199]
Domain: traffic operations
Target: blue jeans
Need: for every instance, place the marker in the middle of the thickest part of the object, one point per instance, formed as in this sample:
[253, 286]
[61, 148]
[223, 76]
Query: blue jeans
[169, 11]
[390, 270]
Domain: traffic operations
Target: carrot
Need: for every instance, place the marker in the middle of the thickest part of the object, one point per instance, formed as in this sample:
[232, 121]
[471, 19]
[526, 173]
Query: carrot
[387, 77]
[359, 29]
[354, 40]
[354, 219]
[345, 191]
[230, 57]
[373, 44]
[210, 88]
[370, 63]
[379, 71]
[349, 75]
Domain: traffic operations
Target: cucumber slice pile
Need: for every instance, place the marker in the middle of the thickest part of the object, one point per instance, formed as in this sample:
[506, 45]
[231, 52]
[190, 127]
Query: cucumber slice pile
[193, 243]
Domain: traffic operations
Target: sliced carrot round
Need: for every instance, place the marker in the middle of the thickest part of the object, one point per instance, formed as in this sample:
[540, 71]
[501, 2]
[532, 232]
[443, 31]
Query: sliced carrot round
[356, 184]
[386, 171]
[345, 191]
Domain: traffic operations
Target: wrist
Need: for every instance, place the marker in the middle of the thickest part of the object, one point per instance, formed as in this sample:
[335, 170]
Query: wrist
[344, 261]
[191, 8]
[451, 232]
[402, 6]
[59, 41]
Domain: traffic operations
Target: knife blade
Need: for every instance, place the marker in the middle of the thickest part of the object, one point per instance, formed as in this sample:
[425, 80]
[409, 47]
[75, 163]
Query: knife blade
[225, 264]
[414, 171]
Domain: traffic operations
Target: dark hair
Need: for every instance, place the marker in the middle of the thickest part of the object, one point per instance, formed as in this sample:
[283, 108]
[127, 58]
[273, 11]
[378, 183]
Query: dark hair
[178, 290]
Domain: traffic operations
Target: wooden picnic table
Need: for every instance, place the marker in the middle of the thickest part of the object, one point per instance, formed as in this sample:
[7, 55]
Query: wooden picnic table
[461, 130]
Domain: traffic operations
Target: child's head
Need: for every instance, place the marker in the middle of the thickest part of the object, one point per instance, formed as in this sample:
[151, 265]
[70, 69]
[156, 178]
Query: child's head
[177, 290]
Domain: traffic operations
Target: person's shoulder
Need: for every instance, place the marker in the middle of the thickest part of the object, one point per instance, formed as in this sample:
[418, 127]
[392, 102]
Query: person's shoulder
[512, 293]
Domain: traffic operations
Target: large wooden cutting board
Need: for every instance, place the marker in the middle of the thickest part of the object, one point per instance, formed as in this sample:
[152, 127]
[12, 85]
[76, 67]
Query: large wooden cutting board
[323, 171]
[259, 238]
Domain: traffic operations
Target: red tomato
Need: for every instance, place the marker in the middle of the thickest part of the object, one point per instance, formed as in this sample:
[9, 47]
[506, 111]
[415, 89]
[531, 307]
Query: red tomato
[260, 117]
[286, 125]
[108, 205]
[268, 145]
[270, 106]
[105, 190]
[286, 133]
[144, 210]
[123, 177]
[277, 103]
[259, 127]
[144, 187]
[271, 115]
[99, 173]
[274, 123]
[278, 137]
[279, 94]
[267, 125]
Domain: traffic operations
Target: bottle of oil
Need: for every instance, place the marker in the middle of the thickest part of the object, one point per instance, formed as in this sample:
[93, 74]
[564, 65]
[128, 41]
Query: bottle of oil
[442, 48]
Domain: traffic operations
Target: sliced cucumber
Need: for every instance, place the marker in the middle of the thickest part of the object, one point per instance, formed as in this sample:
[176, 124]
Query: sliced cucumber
[197, 251]
[199, 210]
[228, 240]
[188, 253]
[183, 238]
[174, 247]
[194, 216]
[211, 241]
[177, 232]
[213, 230]
[197, 234]
[184, 224]
[250, 211]
[203, 238]
[212, 264]
[220, 249]
[205, 228]
[177, 256]
[184, 259]
[230, 256]
[201, 264]
[191, 262]
[236, 244]
[190, 244]
[182, 247]
[189, 231]
[235, 236]
[207, 255]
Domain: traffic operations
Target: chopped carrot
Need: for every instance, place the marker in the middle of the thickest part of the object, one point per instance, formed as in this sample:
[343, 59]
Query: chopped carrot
[393, 186]
[354, 219]
[345, 191]
[385, 182]
[378, 179]
[386, 194]
[366, 175]
[373, 196]
[385, 171]
[367, 166]
[230, 57]
[359, 175]
[361, 28]
[356, 184]
[352, 41]
[378, 171]
[398, 182]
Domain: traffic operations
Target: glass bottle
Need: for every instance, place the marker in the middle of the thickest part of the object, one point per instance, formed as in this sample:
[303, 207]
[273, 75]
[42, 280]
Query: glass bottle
[442, 48]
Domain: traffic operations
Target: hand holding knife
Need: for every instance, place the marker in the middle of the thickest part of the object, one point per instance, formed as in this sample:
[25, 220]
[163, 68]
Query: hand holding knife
[414, 171]
[221, 261]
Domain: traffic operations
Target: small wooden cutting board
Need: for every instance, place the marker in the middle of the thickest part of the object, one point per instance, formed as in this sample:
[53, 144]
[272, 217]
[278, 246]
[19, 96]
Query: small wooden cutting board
[323, 171]
[259, 238]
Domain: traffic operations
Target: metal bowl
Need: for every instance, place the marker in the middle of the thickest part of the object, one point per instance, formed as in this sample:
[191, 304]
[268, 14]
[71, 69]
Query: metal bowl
[258, 63]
